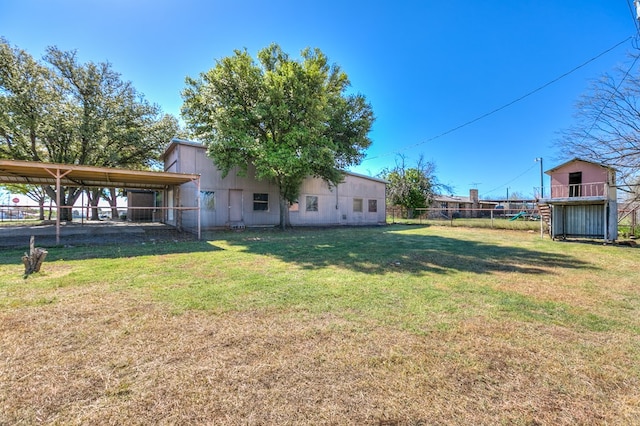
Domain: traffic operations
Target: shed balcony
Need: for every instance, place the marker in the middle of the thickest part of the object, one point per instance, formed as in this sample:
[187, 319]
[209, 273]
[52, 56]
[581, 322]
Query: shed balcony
[594, 190]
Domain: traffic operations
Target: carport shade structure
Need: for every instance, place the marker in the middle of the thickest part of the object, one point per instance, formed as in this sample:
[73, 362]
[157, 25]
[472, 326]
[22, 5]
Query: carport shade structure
[38, 173]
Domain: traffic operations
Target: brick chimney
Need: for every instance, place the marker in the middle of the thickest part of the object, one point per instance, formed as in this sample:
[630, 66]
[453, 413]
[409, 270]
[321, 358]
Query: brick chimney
[475, 202]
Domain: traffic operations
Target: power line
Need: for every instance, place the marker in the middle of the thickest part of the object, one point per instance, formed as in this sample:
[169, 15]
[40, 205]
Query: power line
[635, 16]
[512, 180]
[483, 116]
[606, 104]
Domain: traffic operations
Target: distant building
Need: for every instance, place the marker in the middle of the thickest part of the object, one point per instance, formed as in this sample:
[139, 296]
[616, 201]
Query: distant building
[460, 206]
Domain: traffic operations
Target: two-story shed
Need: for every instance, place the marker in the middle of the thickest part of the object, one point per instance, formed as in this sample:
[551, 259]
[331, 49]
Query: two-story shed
[237, 201]
[583, 201]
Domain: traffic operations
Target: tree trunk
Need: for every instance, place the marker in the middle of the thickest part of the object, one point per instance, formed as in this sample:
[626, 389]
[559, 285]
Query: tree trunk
[41, 208]
[112, 198]
[94, 199]
[284, 213]
[33, 261]
[65, 211]
[66, 201]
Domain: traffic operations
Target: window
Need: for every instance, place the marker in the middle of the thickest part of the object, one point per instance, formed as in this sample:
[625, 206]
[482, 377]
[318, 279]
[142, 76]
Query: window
[373, 206]
[207, 200]
[260, 202]
[312, 203]
[294, 207]
[357, 205]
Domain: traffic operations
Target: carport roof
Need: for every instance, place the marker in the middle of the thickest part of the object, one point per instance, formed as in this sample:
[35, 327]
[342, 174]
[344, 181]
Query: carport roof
[37, 173]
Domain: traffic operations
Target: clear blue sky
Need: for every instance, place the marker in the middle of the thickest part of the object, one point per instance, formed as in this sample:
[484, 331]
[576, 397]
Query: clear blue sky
[426, 66]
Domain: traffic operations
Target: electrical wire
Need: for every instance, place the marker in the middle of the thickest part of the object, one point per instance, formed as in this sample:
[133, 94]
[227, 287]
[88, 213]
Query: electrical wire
[606, 104]
[485, 115]
[512, 180]
[634, 16]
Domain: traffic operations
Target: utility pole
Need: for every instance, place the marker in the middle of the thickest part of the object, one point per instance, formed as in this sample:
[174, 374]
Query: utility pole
[541, 174]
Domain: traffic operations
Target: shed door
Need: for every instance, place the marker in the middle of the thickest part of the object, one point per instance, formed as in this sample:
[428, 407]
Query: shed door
[575, 184]
[235, 205]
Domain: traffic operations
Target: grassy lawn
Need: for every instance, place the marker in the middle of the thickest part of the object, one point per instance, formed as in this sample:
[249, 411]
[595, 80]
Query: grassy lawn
[397, 325]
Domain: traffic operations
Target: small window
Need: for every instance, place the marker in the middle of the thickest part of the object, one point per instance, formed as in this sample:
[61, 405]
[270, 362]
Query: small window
[357, 205]
[294, 207]
[312, 203]
[207, 200]
[373, 206]
[260, 202]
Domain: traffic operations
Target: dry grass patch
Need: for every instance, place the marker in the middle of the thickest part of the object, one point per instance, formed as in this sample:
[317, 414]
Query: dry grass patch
[102, 358]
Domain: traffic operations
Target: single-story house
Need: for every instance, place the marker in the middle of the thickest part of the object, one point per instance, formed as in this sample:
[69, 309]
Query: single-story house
[460, 206]
[237, 201]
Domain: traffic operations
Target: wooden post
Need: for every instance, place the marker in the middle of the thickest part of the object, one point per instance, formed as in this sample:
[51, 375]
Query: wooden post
[33, 261]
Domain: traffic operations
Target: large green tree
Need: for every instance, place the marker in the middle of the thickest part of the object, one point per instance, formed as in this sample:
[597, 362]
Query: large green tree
[63, 111]
[290, 119]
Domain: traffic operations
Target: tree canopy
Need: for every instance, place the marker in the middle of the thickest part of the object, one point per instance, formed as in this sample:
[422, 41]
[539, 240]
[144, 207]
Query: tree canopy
[607, 126]
[62, 111]
[411, 187]
[290, 119]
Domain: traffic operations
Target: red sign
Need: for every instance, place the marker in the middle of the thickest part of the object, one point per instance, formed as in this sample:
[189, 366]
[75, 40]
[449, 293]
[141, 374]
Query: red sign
[16, 200]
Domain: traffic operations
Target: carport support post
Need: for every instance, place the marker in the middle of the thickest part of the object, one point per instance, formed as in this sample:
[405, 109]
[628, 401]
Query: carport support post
[58, 176]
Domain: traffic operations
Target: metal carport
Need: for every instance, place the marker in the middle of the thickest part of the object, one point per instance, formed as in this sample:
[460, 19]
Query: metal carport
[38, 173]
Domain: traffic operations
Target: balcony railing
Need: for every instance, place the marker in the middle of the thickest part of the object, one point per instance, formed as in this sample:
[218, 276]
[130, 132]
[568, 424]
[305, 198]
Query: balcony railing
[595, 189]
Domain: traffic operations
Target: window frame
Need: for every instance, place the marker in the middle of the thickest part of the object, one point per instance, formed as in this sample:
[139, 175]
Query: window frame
[361, 202]
[314, 205]
[208, 200]
[261, 202]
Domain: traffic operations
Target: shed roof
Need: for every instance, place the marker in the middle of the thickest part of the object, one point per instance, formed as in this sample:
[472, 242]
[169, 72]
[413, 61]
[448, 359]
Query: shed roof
[38, 173]
[576, 159]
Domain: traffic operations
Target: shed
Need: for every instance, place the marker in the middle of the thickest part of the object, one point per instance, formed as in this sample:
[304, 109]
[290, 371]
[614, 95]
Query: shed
[236, 200]
[583, 202]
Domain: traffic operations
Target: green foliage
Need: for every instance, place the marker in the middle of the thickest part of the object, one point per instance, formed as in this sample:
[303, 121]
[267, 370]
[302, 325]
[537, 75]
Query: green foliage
[289, 118]
[411, 187]
[64, 111]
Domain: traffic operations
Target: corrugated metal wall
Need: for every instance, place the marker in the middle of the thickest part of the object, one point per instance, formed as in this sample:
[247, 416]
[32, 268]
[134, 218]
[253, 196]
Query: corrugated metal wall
[579, 221]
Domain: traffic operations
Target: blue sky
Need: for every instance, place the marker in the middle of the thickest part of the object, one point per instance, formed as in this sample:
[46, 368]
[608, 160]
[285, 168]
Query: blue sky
[426, 67]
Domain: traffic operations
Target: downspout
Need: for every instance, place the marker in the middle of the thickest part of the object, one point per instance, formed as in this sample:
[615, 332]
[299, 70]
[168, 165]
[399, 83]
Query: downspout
[337, 205]
[198, 205]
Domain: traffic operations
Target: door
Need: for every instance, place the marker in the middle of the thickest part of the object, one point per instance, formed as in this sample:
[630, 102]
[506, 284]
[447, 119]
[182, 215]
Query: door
[170, 204]
[575, 184]
[235, 205]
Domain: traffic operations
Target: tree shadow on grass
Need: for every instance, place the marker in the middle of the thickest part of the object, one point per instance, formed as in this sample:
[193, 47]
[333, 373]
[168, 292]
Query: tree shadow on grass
[383, 250]
[111, 250]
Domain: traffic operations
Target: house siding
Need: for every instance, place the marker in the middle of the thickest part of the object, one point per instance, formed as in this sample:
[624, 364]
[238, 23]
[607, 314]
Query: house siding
[596, 179]
[229, 199]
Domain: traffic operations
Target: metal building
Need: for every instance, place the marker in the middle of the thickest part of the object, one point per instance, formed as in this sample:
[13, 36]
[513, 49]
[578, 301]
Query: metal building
[239, 200]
